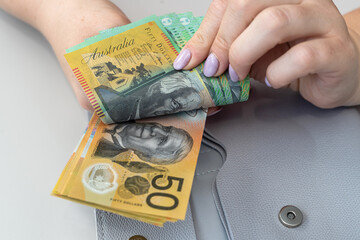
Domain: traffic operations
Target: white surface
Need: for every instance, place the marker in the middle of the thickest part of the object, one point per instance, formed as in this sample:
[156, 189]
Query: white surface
[41, 123]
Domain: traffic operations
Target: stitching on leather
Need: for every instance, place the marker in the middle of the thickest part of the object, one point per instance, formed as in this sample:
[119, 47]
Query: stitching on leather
[221, 211]
[101, 217]
[203, 173]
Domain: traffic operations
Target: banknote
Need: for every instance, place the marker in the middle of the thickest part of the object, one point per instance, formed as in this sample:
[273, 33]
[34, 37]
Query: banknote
[223, 91]
[127, 72]
[141, 169]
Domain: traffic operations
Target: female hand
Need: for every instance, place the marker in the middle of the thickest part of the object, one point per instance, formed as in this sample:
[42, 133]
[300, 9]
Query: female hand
[72, 22]
[303, 44]
[67, 23]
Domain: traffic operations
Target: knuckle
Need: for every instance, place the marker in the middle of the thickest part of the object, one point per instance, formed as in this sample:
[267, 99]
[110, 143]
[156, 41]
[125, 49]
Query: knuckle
[275, 18]
[305, 56]
[217, 5]
[327, 53]
[199, 39]
[297, 13]
[221, 44]
[241, 4]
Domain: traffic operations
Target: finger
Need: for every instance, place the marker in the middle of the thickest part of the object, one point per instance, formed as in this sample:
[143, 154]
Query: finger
[311, 57]
[273, 26]
[258, 69]
[238, 15]
[197, 48]
[213, 110]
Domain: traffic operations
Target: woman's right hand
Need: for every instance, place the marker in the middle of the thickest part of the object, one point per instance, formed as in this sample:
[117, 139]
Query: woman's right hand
[302, 44]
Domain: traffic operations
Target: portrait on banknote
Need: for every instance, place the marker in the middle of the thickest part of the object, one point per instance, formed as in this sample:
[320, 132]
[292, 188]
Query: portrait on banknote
[173, 92]
[151, 142]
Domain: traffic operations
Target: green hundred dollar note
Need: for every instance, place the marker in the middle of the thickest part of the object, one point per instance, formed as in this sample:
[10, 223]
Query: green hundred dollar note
[221, 89]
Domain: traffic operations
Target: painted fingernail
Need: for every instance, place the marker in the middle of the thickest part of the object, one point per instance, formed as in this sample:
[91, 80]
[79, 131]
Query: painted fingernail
[183, 59]
[267, 82]
[211, 65]
[215, 112]
[233, 75]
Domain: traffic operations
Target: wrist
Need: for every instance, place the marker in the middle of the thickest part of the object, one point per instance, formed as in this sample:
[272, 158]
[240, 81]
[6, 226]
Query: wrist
[68, 23]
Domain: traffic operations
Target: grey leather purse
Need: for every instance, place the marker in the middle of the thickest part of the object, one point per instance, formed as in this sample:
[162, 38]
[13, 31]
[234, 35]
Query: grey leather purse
[257, 157]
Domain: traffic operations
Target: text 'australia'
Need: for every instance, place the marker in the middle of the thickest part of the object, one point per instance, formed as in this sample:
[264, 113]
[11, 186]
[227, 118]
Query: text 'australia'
[111, 49]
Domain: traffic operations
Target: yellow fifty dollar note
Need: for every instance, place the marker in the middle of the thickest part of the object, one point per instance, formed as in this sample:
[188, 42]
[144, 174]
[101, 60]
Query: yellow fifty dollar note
[131, 76]
[143, 169]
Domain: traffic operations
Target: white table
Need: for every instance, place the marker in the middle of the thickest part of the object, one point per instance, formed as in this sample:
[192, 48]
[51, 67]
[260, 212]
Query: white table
[41, 123]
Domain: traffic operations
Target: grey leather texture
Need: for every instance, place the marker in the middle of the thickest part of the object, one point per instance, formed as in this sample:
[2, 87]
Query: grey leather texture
[111, 226]
[281, 150]
[209, 219]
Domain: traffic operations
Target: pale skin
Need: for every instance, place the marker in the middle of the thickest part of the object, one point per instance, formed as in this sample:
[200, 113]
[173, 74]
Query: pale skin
[302, 44]
[67, 23]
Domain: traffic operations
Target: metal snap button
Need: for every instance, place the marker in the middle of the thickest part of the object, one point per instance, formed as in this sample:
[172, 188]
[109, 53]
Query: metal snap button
[290, 216]
[137, 237]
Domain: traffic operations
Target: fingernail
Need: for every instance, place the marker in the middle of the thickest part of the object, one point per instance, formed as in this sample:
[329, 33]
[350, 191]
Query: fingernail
[233, 75]
[183, 59]
[215, 112]
[267, 82]
[211, 65]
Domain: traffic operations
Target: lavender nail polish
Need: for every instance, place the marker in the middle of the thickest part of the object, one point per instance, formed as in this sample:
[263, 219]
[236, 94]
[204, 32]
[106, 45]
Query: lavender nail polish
[267, 82]
[211, 65]
[182, 60]
[233, 75]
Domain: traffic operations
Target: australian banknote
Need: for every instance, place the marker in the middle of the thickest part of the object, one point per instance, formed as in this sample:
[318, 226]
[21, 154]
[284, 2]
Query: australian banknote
[127, 72]
[221, 89]
[142, 170]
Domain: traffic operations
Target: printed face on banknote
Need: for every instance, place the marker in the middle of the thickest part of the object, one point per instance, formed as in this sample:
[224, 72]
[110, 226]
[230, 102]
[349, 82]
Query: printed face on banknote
[173, 92]
[151, 142]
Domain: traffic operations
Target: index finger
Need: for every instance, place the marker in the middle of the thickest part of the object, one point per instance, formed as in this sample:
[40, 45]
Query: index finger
[238, 16]
[196, 50]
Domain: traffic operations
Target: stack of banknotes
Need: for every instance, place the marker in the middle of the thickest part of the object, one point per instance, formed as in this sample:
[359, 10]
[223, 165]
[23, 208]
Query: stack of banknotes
[138, 155]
